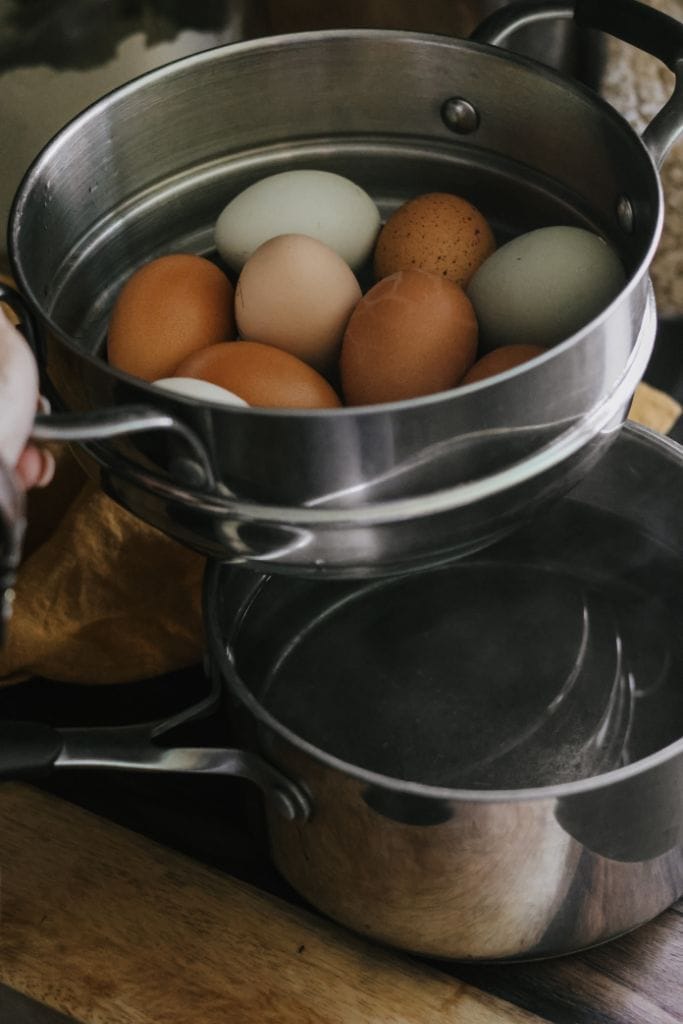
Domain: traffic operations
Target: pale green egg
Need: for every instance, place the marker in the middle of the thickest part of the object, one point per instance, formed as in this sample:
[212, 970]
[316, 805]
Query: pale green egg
[543, 286]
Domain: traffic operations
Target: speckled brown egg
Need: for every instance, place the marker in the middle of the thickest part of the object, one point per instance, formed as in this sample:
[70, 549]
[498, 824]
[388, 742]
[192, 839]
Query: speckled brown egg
[166, 310]
[412, 334]
[437, 232]
[501, 359]
[262, 375]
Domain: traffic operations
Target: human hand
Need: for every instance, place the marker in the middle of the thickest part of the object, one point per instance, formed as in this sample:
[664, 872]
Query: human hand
[19, 400]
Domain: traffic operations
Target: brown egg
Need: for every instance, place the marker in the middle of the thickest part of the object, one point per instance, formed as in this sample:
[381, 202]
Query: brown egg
[297, 293]
[167, 309]
[261, 375]
[436, 232]
[500, 360]
[412, 334]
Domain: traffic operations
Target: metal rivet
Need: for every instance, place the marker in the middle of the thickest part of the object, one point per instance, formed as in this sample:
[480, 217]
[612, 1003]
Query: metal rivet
[187, 472]
[284, 805]
[625, 215]
[459, 115]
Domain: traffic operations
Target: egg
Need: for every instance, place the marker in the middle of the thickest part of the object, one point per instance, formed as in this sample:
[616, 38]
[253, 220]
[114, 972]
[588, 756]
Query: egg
[261, 375]
[202, 390]
[500, 360]
[542, 286]
[436, 232]
[320, 204]
[297, 294]
[412, 334]
[167, 309]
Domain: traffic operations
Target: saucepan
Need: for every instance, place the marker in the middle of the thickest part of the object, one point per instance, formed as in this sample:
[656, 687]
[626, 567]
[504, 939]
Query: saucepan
[482, 760]
[374, 489]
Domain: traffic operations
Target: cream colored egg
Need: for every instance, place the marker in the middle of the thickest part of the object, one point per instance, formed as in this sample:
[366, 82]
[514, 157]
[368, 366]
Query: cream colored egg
[297, 294]
[202, 390]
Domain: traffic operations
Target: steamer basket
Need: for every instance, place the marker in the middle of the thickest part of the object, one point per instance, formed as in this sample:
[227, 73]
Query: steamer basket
[361, 490]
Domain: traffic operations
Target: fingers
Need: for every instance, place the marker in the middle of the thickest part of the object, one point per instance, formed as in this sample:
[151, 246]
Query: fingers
[35, 467]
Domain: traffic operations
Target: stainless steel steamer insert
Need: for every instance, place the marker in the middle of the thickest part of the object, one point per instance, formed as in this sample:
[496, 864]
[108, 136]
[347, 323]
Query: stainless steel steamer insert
[357, 491]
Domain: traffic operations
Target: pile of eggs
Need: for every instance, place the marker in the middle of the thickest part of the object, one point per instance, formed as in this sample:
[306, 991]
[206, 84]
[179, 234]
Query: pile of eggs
[448, 307]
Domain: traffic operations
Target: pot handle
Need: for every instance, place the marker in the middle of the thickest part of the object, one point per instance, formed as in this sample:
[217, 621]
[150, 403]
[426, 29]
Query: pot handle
[629, 20]
[122, 421]
[29, 749]
[105, 424]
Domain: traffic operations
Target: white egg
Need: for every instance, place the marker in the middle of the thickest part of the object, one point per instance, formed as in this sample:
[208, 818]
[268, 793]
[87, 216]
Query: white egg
[323, 205]
[541, 287]
[202, 390]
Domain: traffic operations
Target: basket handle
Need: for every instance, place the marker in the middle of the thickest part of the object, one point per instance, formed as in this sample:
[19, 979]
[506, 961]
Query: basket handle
[105, 424]
[629, 20]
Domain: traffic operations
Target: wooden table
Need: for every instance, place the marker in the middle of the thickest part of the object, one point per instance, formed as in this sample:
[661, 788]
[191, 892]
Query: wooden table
[108, 927]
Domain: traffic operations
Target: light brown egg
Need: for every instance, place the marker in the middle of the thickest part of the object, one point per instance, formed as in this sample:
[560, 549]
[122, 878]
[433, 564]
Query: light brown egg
[436, 232]
[298, 294]
[262, 375]
[167, 309]
[501, 359]
[412, 334]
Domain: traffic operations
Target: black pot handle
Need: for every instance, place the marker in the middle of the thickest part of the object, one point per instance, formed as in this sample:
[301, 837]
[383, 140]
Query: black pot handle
[28, 749]
[629, 20]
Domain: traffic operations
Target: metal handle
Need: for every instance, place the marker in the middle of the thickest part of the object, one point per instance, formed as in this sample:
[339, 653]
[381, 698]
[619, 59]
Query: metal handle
[122, 421]
[105, 424]
[28, 749]
[629, 20]
[129, 750]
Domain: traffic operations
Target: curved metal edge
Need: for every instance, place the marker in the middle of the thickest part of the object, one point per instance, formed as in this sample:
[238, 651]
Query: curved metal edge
[219, 644]
[499, 26]
[394, 510]
[629, 20]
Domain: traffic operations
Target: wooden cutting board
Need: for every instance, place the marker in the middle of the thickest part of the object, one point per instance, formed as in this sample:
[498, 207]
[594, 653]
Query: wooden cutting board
[110, 928]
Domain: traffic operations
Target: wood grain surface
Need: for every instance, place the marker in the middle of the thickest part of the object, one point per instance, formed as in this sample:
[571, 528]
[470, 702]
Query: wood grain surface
[106, 926]
[638, 979]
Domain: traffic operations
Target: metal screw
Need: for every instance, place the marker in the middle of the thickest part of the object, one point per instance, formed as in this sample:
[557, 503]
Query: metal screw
[459, 115]
[625, 215]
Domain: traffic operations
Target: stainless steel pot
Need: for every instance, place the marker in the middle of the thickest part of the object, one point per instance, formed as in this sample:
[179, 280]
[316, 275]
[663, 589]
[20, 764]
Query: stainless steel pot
[483, 761]
[363, 490]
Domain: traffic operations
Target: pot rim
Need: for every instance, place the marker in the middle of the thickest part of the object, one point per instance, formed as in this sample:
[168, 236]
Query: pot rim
[461, 495]
[335, 37]
[219, 651]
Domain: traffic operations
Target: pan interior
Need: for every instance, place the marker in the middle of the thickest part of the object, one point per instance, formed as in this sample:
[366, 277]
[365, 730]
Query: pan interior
[550, 658]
